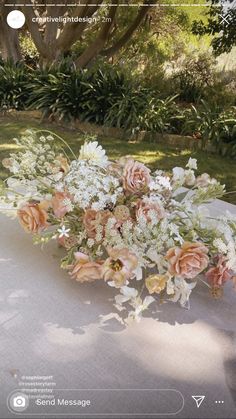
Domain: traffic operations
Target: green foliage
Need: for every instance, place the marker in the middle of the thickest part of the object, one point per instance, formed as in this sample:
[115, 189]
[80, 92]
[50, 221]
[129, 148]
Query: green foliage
[28, 50]
[86, 95]
[14, 89]
[108, 96]
[104, 96]
[211, 125]
[195, 77]
[221, 25]
[125, 112]
[160, 115]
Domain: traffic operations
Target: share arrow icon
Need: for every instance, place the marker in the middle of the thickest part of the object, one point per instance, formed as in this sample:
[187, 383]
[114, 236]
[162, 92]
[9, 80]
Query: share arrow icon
[198, 400]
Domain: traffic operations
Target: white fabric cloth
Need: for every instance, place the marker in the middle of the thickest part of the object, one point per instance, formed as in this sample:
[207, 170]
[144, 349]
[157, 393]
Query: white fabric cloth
[52, 326]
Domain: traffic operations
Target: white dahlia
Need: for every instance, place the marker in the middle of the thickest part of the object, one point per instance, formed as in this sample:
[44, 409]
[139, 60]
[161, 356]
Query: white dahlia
[93, 153]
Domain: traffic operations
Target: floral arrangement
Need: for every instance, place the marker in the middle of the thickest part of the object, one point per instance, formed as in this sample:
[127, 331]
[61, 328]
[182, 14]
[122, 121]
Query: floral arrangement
[141, 232]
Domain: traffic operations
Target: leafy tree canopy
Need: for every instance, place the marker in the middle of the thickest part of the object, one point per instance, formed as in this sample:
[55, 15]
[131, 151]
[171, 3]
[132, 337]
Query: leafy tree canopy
[221, 24]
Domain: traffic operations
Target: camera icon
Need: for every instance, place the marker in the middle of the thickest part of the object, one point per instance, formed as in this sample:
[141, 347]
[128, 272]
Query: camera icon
[19, 401]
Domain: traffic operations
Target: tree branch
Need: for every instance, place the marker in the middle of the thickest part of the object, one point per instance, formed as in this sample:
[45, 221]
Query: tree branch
[96, 46]
[73, 30]
[51, 28]
[109, 52]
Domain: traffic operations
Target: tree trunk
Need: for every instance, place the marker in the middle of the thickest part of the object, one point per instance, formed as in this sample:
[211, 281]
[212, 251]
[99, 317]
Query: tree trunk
[9, 38]
[109, 52]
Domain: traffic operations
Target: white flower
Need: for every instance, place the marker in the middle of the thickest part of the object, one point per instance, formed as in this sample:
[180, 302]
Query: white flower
[182, 290]
[231, 264]
[220, 245]
[178, 176]
[170, 288]
[94, 153]
[63, 232]
[127, 293]
[189, 177]
[192, 164]
[90, 243]
[139, 307]
[164, 181]
[138, 273]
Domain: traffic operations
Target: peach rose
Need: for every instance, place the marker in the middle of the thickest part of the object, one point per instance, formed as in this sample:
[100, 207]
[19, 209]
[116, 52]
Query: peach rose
[144, 206]
[85, 270]
[188, 260]
[136, 177]
[120, 266]
[60, 208]
[92, 219]
[33, 216]
[219, 274]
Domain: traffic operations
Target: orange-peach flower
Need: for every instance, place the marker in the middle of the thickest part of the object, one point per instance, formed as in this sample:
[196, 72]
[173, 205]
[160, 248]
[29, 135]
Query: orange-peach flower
[119, 266]
[85, 270]
[188, 260]
[219, 274]
[92, 219]
[144, 206]
[136, 177]
[33, 216]
[67, 242]
[156, 283]
[60, 208]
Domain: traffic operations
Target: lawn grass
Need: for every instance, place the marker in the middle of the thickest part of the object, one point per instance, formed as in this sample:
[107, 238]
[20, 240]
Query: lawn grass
[154, 155]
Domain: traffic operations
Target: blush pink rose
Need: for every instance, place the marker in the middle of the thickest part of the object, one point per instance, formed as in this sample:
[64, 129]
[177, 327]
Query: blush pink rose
[219, 274]
[58, 205]
[144, 206]
[119, 266]
[85, 270]
[92, 219]
[188, 260]
[33, 216]
[136, 177]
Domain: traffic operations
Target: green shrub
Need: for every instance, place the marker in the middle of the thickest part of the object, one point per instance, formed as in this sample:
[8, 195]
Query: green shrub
[194, 79]
[14, 86]
[101, 90]
[212, 125]
[127, 110]
[86, 95]
[107, 95]
[161, 115]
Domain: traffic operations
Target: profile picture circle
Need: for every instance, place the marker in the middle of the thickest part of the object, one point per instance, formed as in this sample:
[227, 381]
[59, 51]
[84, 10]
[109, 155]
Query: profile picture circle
[15, 19]
[18, 402]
